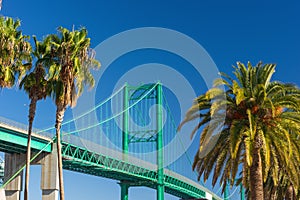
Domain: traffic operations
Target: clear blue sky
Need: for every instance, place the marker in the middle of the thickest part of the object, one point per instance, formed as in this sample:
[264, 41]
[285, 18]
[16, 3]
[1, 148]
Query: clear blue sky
[229, 31]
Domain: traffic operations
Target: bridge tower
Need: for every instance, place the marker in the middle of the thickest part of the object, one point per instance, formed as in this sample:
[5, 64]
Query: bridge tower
[131, 94]
[123, 184]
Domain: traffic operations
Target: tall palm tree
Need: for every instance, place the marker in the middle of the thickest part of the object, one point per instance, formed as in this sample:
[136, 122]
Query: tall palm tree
[73, 59]
[14, 52]
[260, 129]
[37, 88]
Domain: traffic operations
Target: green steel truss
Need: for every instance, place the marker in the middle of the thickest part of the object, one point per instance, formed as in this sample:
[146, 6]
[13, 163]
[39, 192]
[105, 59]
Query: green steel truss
[84, 161]
[139, 91]
[132, 94]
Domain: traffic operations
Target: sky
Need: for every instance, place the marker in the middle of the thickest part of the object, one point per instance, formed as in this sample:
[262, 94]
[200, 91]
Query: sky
[228, 31]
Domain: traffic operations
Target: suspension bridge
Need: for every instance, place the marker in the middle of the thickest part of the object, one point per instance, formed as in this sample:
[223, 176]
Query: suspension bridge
[129, 137]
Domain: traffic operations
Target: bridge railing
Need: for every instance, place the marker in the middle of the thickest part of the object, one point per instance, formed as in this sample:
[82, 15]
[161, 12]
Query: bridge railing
[23, 128]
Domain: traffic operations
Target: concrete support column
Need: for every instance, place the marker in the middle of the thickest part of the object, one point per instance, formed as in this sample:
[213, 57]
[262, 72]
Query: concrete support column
[13, 162]
[49, 178]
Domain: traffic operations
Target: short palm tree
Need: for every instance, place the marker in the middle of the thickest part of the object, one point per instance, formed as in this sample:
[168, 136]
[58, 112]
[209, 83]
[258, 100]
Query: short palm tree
[260, 128]
[14, 52]
[37, 88]
[73, 59]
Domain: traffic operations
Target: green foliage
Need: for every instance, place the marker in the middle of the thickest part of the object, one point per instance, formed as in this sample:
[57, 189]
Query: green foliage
[37, 84]
[62, 69]
[257, 114]
[71, 61]
[14, 52]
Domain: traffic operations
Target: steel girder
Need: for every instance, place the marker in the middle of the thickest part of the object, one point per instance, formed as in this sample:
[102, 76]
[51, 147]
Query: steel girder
[82, 160]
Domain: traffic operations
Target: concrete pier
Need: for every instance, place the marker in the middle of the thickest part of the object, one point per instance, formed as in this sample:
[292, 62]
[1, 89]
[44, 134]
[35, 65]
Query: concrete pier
[49, 178]
[13, 162]
[49, 174]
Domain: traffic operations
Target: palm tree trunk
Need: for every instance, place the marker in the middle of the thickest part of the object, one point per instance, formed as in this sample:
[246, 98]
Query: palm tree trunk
[60, 111]
[289, 193]
[256, 179]
[32, 109]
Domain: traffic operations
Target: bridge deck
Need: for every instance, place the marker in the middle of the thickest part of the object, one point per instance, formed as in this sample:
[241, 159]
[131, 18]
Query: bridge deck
[105, 163]
[14, 140]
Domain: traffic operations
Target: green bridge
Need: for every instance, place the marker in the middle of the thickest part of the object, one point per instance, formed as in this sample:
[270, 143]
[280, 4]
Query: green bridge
[129, 137]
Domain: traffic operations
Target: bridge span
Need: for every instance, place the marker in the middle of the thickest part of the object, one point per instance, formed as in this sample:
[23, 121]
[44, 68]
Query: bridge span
[116, 143]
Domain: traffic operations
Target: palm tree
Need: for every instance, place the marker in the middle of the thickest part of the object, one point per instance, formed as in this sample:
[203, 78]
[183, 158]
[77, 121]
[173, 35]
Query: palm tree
[14, 52]
[37, 88]
[260, 129]
[73, 59]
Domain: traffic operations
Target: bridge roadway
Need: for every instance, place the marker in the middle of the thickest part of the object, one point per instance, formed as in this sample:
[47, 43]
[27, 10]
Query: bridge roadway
[105, 163]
